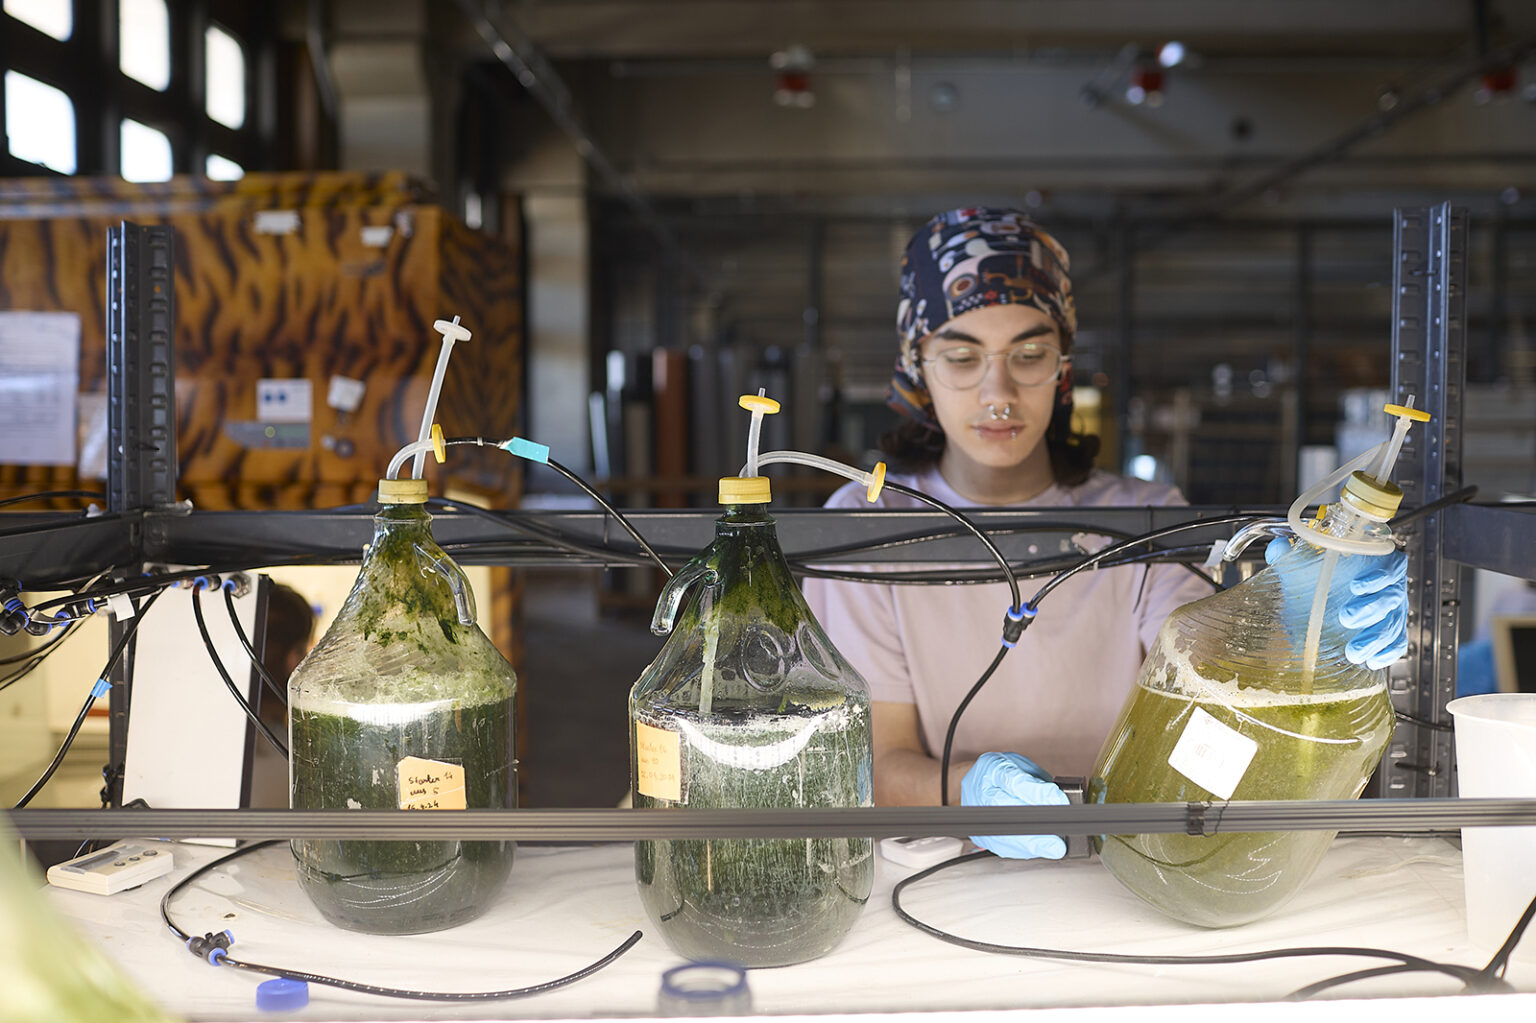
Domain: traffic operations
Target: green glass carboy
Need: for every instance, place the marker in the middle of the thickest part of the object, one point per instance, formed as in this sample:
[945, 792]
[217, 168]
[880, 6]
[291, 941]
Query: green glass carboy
[749, 705]
[404, 703]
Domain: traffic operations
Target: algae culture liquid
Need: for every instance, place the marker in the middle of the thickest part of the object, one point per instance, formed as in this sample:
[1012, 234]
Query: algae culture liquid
[1239, 699]
[402, 704]
[749, 705]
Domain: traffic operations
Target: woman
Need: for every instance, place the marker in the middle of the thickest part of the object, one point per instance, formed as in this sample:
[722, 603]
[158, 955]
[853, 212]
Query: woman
[984, 381]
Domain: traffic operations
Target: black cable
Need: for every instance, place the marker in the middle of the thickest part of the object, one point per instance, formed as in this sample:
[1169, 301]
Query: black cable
[37, 658]
[213, 949]
[1454, 497]
[112, 658]
[1302, 994]
[585, 487]
[1500, 960]
[1470, 976]
[551, 537]
[1438, 726]
[611, 510]
[954, 722]
[41, 650]
[979, 577]
[48, 495]
[261, 669]
[1115, 549]
[229, 683]
[58, 758]
[1013, 583]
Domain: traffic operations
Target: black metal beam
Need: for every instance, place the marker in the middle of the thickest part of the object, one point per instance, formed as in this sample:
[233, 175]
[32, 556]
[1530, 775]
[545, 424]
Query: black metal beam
[204, 538]
[43, 551]
[1497, 538]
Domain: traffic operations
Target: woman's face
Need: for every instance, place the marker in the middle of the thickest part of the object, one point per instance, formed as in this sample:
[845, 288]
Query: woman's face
[998, 422]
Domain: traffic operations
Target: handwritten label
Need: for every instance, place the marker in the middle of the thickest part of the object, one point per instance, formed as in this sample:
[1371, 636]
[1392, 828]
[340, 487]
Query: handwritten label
[1212, 755]
[431, 785]
[658, 763]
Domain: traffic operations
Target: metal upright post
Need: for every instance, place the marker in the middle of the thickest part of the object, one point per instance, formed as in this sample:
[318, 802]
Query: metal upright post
[1429, 340]
[141, 421]
[141, 369]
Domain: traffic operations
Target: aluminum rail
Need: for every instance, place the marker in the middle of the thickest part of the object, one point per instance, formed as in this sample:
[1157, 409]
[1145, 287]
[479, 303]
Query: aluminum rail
[877, 822]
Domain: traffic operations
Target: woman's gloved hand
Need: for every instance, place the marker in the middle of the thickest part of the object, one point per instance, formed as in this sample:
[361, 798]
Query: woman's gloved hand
[1377, 613]
[1007, 779]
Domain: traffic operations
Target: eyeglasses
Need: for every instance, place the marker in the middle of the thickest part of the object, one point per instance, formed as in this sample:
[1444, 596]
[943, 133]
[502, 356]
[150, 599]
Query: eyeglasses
[1029, 365]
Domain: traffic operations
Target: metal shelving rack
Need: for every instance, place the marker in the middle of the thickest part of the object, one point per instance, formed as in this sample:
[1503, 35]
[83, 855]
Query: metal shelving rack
[1428, 345]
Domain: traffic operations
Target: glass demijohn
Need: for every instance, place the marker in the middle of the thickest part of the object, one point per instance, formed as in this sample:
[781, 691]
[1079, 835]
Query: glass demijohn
[1247, 694]
[405, 703]
[749, 705]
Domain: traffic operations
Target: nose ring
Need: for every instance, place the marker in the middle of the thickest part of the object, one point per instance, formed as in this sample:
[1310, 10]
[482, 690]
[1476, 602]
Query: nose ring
[995, 415]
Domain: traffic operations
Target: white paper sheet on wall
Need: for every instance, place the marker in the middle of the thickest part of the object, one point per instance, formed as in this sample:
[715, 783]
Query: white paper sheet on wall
[39, 377]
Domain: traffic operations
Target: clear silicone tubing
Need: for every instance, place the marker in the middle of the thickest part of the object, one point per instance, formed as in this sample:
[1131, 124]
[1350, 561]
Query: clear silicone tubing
[1342, 544]
[418, 449]
[814, 461]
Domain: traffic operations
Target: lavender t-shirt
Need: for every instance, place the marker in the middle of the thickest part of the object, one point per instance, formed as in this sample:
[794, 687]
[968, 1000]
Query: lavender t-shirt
[1056, 695]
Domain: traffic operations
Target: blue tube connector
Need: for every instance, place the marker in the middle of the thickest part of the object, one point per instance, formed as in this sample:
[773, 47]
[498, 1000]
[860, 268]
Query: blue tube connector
[1015, 622]
[526, 449]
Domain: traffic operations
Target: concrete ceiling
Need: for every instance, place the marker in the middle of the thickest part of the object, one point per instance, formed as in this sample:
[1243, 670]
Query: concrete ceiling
[694, 29]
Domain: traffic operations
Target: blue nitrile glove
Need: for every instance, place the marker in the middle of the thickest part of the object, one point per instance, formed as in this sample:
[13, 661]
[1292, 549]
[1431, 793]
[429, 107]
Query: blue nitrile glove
[1007, 779]
[1377, 613]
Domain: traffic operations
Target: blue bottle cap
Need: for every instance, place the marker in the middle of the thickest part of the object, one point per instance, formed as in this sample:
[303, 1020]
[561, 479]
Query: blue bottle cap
[282, 995]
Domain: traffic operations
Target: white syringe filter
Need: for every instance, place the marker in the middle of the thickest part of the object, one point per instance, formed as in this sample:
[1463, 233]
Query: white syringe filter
[452, 330]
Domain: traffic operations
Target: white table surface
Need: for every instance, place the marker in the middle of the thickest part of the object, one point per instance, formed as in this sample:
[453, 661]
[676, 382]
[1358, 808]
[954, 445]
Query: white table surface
[566, 906]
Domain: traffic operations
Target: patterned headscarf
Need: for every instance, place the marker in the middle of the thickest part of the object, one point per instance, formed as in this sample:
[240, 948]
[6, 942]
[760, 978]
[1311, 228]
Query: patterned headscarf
[970, 258]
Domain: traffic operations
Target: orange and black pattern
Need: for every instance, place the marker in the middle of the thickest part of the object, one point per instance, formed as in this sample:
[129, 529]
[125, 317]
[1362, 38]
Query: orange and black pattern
[351, 290]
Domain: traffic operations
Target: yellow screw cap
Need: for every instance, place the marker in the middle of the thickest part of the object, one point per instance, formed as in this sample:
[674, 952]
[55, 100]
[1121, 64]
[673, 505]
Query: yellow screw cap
[1378, 500]
[438, 447]
[758, 403]
[408, 491]
[744, 490]
[1418, 415]
[876, 482]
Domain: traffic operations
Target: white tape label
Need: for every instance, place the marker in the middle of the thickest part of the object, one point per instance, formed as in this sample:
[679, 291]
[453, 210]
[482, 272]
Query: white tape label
[1212, 755]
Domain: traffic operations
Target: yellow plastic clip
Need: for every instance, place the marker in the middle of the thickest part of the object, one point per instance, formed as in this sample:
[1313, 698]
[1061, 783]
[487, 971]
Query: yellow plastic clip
[876, 482]
[1418, 415]
[758, 403]
[438, 447]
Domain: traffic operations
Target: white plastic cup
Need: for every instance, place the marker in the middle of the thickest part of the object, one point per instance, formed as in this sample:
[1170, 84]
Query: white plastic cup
[1496, 758]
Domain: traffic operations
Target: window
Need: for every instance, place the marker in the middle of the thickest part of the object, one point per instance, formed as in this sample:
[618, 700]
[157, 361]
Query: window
[144, 42]
[39, 123]
[221, 168]
[224, 59]
[146, 153]
[53, 17]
